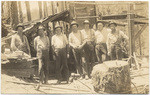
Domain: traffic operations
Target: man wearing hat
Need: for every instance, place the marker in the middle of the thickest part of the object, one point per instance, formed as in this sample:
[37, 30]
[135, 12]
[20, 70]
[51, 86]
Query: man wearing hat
[19, 41]
[100, 40]
[76, 43]
[59, 45]
[41, 45]
[89, 38]
[114, 40]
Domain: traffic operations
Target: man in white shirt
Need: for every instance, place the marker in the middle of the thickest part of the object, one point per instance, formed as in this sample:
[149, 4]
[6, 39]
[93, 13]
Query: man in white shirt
[89, 38]
[100, 47]
[59, 45]
[76, 43]
[41, 45]
[114, 41]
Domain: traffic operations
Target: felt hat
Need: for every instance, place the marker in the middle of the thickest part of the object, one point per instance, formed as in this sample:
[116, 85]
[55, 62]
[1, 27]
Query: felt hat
[19, 25]
[112, 23]
[86, 22]
[58, 26]
[74, 23]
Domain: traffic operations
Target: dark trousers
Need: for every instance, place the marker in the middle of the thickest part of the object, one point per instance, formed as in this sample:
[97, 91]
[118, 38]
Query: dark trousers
[89, 59]
[62, 71]
[101, 49]
[44, 66]
[78, 60]
[116, 53]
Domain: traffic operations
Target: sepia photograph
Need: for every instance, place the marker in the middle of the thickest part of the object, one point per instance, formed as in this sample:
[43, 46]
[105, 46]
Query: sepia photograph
[74, 47]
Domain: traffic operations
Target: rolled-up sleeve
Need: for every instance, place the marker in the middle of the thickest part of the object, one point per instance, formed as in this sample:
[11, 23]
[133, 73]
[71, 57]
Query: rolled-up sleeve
[13, 46]
[124, 35]
[66, 40]
[108, 43]
[27, 43]
[70, 41]
[35, 43]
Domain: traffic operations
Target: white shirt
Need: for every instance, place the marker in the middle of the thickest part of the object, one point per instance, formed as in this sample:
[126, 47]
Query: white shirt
[88, 35]
[98, 37]
[75, 39]
[105, 33]
[59, 41]
[111, 39]
[18, 44]
[41, 44]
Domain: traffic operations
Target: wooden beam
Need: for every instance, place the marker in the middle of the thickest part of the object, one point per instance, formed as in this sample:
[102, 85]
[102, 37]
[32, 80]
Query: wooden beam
[140, 31]
[99, 3]
[140, 45]
[87, 17]
[131, 31]
[141, 21]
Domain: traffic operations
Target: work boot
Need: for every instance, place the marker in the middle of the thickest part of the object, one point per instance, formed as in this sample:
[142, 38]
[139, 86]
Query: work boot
[45, 82]
[38, 86]
[58, 82]
[86, 77]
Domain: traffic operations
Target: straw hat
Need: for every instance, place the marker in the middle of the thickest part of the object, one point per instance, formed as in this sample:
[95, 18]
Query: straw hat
[86, 22]
[58, 26]
[74, 23]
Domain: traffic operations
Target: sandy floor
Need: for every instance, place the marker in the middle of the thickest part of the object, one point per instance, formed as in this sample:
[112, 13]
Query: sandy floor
[11, 84]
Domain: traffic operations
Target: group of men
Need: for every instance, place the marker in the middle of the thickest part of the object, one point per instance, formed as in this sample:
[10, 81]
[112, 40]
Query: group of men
[87, 45]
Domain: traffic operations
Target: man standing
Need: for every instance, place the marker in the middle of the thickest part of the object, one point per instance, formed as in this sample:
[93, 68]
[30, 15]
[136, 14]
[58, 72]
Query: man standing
[114, 41]
[41, 45]
[59, 45]
[100, 40]
[89, 38]
[76, 43]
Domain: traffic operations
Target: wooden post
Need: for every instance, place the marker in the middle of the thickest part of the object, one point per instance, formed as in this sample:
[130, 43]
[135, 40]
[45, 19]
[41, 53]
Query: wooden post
[130, 18]
[28, 10]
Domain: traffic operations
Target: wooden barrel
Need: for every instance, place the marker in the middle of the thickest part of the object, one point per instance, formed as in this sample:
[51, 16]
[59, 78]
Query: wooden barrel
[112, 77]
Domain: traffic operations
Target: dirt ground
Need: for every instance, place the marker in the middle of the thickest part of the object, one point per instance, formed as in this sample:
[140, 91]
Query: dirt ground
[9, 84]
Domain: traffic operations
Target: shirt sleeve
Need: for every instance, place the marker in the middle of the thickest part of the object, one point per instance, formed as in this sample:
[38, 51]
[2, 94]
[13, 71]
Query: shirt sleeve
[65, 37]
[52, 41]
[27, 43]
[48, 43]
[108, 43]
[84, 36]
[124, 35]
[35, 43]
[13, 46]
[70, 41]
[101, 37]
[93, 35]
